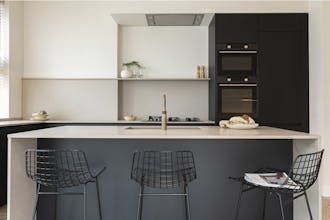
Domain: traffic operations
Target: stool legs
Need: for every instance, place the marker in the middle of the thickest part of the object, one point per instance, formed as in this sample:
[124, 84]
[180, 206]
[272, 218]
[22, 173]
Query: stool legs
[264, 206]
[186, 192]
[140, 203]
[308, 206]
[281, 205]
[36, 203]
[84, 195]
[239, 202]
[186, 199]
[98, 197]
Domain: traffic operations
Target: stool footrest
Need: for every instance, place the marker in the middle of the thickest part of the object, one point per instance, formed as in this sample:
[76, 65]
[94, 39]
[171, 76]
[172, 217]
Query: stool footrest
[164, 194]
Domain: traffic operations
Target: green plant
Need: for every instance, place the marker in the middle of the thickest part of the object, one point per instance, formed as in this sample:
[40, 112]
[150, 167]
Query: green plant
[132, 64]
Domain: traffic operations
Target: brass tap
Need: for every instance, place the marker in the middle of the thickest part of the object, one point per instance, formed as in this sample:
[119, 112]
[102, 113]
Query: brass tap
[164, 114]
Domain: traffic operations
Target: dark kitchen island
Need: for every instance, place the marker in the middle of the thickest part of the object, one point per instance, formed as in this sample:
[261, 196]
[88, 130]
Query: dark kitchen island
[219, 153]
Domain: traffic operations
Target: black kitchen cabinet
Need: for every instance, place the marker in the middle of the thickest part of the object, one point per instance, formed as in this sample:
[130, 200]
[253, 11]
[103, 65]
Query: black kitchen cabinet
[282, 65]
[233, 28]
[283, 72]
[282, 22]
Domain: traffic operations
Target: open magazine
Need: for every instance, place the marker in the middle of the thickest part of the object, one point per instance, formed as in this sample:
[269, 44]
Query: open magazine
[276, 180]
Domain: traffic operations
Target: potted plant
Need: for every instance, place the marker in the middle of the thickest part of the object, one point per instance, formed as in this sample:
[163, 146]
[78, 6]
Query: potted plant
[130, 69]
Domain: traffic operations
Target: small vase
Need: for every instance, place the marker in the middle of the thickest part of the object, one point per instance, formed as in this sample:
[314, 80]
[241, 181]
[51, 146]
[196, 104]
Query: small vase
[126, 73]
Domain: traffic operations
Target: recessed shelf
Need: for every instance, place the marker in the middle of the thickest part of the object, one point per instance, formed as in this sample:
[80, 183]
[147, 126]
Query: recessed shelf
[120, 79]
[163, 79]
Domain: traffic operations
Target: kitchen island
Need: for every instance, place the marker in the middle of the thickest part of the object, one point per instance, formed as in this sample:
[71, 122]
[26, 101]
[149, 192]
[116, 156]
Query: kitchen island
[219, 153]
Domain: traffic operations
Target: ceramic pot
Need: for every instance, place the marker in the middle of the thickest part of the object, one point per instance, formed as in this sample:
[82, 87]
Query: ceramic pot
[126, 73]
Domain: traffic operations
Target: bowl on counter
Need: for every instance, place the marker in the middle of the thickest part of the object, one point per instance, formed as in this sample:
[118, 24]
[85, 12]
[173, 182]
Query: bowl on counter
[40, 116]
[130, 118]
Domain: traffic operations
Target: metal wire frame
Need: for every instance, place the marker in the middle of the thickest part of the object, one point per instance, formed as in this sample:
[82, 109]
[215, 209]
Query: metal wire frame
[163, 169]
[303, 174]
[57, 169]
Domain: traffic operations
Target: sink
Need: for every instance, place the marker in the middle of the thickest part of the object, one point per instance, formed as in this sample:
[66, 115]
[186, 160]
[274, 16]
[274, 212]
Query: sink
[159, 128]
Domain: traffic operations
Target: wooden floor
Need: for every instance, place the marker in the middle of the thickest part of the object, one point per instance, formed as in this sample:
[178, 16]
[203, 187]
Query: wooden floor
[3, 213]
[326, 208]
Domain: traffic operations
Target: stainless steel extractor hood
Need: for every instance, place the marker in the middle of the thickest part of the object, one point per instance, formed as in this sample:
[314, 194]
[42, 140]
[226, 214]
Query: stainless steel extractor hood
[174, 19]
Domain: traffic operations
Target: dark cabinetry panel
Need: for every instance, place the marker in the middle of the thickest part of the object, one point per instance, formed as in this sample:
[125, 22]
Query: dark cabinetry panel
[282, 22]
[282, 64]
[237, 28]
[212, 71]
[283, 75]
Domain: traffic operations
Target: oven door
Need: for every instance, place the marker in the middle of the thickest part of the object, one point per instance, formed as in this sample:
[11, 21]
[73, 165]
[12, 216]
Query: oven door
[238, 99]
[237, 64]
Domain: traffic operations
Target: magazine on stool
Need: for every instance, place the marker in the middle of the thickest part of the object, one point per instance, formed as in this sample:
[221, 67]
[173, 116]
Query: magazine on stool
[274, 180]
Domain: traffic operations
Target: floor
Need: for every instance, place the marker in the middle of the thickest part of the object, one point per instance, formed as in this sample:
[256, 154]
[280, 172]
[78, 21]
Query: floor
[326, 208]
[3, 213]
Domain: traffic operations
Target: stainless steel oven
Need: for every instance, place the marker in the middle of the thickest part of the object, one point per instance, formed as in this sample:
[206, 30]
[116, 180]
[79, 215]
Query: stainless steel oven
[237, 62]
[238, 99]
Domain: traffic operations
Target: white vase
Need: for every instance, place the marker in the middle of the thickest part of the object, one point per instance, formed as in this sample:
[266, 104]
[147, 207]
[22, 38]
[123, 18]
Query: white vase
[126, 73]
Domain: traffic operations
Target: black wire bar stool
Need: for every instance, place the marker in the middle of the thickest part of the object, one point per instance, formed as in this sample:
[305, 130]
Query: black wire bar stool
[60, 169]
[303, 174]
[163, 170]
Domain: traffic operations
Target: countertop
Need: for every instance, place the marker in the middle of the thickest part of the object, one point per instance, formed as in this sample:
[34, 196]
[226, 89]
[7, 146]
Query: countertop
[154, 132]
[8, 123]
[18, 122]
[132, 122]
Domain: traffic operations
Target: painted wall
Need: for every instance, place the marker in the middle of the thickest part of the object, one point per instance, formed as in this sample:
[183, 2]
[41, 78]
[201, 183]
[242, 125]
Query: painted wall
[170, 52]
[143, 98]
[326, 97]
[69, 41]
[71, 100]
[16, 58]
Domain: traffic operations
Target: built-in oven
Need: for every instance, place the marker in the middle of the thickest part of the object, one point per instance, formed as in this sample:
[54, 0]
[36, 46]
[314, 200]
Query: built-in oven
[238, 99]
[237, 62]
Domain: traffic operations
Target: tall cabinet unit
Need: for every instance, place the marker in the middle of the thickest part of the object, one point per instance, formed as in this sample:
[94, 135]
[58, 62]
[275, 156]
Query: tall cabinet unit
[283, 68]
[282, 65]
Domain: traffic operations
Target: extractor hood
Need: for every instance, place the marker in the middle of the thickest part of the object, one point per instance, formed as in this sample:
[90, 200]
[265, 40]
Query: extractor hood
[174, 19]
[159, 19]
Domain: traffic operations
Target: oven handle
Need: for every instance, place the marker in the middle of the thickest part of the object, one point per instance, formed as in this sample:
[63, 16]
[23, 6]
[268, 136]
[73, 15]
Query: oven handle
[249, 100]
[238, 85]
[237, 51]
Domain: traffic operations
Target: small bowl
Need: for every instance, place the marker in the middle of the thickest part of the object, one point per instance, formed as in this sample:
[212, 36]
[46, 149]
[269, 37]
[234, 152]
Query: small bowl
[129, 118]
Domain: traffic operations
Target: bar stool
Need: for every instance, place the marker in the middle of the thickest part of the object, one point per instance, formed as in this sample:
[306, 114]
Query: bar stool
[59, 169]
[303, 174]
[163, 170]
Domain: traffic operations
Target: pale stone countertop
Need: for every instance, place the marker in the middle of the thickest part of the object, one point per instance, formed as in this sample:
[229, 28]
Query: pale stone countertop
[154, 132]
[18, 122]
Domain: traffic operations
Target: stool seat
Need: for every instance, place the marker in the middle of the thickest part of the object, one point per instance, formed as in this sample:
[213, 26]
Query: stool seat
[59, 169]
[302, 175]
[162, 170]
[166, 178]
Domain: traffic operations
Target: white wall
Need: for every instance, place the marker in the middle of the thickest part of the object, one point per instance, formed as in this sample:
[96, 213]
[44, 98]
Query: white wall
[143, 98]
[165, 51]
[16, 58]
[65, 40]
[326, 98]
[80, 100]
